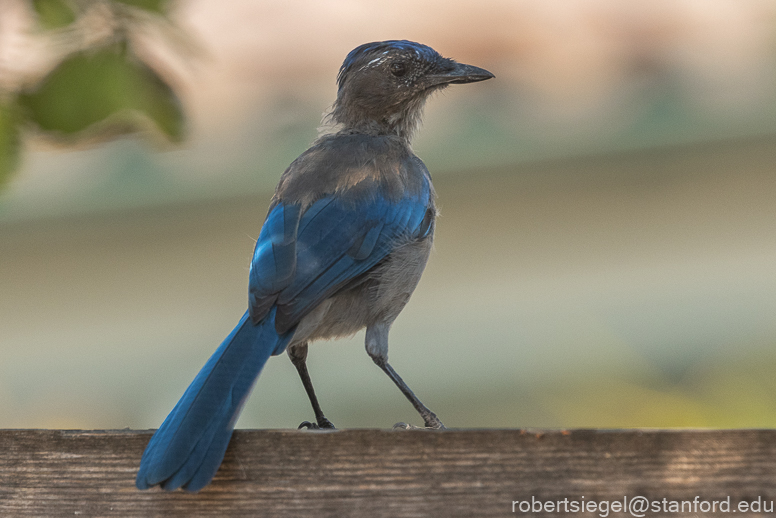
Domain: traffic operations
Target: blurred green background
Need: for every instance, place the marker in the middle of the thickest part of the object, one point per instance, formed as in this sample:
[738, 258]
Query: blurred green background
[605, 255]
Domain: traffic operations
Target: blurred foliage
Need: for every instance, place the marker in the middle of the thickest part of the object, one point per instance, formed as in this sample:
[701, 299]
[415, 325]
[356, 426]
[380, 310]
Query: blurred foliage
[103, 86]
[53, 14]
[9, 139]
[158, 6]
[98, 90]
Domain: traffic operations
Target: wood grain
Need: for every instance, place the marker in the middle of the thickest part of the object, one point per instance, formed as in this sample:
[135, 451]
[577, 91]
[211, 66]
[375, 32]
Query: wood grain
[368, 473]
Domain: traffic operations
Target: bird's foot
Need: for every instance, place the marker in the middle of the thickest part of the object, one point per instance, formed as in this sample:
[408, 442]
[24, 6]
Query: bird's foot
[429, 426]
[322, 424]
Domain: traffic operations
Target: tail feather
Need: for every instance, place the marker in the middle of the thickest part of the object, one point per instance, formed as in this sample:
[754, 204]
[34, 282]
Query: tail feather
[188, 448]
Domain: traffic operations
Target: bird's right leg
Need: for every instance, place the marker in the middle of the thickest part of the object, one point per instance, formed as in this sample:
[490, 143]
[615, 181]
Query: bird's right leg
[298, 355]
[377, 348]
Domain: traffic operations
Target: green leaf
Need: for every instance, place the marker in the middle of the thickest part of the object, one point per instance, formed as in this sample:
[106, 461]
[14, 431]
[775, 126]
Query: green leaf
[9, 140]
[158, 6]
[53, 14]
[159, 102]
[106, 88]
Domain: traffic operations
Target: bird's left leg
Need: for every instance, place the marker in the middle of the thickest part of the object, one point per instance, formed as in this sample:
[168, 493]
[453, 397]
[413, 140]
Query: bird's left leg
[377, 348]
[298, 355]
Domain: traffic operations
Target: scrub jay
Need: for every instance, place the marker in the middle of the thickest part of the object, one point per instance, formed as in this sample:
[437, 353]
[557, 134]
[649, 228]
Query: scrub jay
[344, 243]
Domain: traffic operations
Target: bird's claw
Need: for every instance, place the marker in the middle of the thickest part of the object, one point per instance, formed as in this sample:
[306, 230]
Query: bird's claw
[407, 426]
[323, 424]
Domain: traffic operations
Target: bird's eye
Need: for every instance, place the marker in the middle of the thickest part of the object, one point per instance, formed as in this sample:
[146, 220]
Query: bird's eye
[398, 68]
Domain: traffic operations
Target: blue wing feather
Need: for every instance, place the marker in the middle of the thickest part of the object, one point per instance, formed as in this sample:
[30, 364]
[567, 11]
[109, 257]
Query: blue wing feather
[338, 241]
[274, 259]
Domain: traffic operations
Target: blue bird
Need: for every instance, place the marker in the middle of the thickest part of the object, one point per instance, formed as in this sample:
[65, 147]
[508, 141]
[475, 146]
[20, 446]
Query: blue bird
[344, 243]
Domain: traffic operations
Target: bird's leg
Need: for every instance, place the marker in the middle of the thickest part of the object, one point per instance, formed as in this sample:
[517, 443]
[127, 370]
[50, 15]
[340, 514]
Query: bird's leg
[298, 355]
[377, 348]
[429, 417]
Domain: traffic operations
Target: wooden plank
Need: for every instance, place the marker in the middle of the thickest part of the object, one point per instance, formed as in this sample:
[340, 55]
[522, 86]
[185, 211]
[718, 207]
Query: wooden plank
[368, 473]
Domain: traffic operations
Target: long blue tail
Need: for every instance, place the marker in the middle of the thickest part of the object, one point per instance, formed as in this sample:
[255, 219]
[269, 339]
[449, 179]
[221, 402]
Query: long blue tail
[188, 448]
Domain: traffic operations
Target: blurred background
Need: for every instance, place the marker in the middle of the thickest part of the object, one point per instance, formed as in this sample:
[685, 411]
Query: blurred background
[604, 258]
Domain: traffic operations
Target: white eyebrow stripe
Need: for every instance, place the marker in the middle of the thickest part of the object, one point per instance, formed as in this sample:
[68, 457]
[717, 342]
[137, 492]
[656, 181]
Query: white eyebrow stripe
[376, 61]
[379, 59]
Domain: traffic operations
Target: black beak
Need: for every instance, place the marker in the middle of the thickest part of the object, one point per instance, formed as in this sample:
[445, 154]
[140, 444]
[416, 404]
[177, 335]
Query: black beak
[460, 74]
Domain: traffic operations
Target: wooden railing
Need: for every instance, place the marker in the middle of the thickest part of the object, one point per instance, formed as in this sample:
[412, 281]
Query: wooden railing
[366, 473]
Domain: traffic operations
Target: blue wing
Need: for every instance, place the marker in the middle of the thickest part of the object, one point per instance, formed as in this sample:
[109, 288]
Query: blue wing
[274, 259]
[303, 258]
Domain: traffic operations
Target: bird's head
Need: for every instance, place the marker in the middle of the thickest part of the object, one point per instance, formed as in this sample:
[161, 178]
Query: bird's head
[382, 86]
